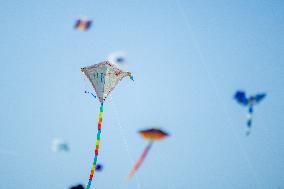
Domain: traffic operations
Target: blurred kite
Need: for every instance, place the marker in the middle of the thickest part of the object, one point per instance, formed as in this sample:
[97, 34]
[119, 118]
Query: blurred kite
[249, 102]
[151, 135]
[118, 57]
[58, 145]
[103, 77]
[83, 24]
[99, 167]
[80, 186]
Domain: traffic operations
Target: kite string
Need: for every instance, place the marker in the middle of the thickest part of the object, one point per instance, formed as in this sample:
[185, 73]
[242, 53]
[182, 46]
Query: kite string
[121, 130]
[97, 146]
[213, 83]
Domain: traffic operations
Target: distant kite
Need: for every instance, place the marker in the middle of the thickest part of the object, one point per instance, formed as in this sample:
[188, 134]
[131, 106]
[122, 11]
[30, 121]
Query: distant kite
[80, 186]
[104, 77]
[83, 24]
[58, 145]
[99, 167]
[118, 57]
[249, 102]
[151, 135]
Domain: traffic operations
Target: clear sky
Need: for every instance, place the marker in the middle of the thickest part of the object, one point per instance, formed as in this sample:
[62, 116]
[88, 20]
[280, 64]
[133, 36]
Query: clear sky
[187, 57]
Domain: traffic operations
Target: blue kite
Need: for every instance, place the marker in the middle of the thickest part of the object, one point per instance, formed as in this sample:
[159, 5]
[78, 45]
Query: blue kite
[250, 102]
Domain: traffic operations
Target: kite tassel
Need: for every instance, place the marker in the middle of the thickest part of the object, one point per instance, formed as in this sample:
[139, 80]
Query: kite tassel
[249, 120]
[130, 76]
[140, 160]
[87, 92]
[97, 147]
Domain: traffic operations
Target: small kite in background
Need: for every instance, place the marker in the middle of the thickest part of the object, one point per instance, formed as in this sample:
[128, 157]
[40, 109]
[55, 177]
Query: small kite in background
[118, 57]
[59, 145]
[83, 24]
[104, 77]
[80, 186]
[249, 102]
[151, 135]
[99, 167]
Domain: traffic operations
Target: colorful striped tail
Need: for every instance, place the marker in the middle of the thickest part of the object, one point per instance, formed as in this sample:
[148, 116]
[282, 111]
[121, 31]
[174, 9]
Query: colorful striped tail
[97, 146]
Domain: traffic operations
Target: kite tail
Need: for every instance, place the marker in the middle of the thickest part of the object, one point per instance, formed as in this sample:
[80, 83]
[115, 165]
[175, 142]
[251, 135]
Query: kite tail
[87, 92]
[97, 146]
[140, 160]
[249, 120]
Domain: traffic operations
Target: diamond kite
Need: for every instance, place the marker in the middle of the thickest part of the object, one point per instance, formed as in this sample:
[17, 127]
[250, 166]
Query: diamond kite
[103, 77]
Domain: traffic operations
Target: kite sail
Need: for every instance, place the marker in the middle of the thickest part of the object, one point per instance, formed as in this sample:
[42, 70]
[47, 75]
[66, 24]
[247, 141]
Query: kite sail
[103, 77]
[151, 135]
[83, 24]
[250, 102]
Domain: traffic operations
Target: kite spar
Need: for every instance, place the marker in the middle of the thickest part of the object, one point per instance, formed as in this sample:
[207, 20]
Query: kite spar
[103, 77]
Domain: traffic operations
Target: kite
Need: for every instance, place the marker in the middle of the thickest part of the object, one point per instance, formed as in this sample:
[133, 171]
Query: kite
[83, 24]
[118, 57]
[250, 102]
[151, 135]
[99, 167]
[59, 145]
[103, 77]
[80, 186]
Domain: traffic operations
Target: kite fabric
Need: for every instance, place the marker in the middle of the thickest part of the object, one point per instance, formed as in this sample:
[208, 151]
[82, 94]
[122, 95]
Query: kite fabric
[103, 77]
[250, 102]
[83, 24]
[151, 135]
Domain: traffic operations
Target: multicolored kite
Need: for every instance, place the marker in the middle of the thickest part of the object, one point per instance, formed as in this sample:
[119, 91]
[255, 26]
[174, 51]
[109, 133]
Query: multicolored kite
[151, 135]
[83, 24]
[240, 97]
[104, 77]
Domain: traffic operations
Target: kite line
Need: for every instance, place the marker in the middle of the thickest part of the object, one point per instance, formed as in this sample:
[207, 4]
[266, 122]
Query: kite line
[122, 133]
[213, 83]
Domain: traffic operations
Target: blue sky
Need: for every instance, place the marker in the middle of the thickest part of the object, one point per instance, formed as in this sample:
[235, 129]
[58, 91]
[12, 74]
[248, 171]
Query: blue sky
[187, 57]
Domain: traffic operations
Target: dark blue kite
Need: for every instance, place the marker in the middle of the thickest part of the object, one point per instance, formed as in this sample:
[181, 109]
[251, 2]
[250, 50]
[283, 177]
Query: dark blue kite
[80, 186]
